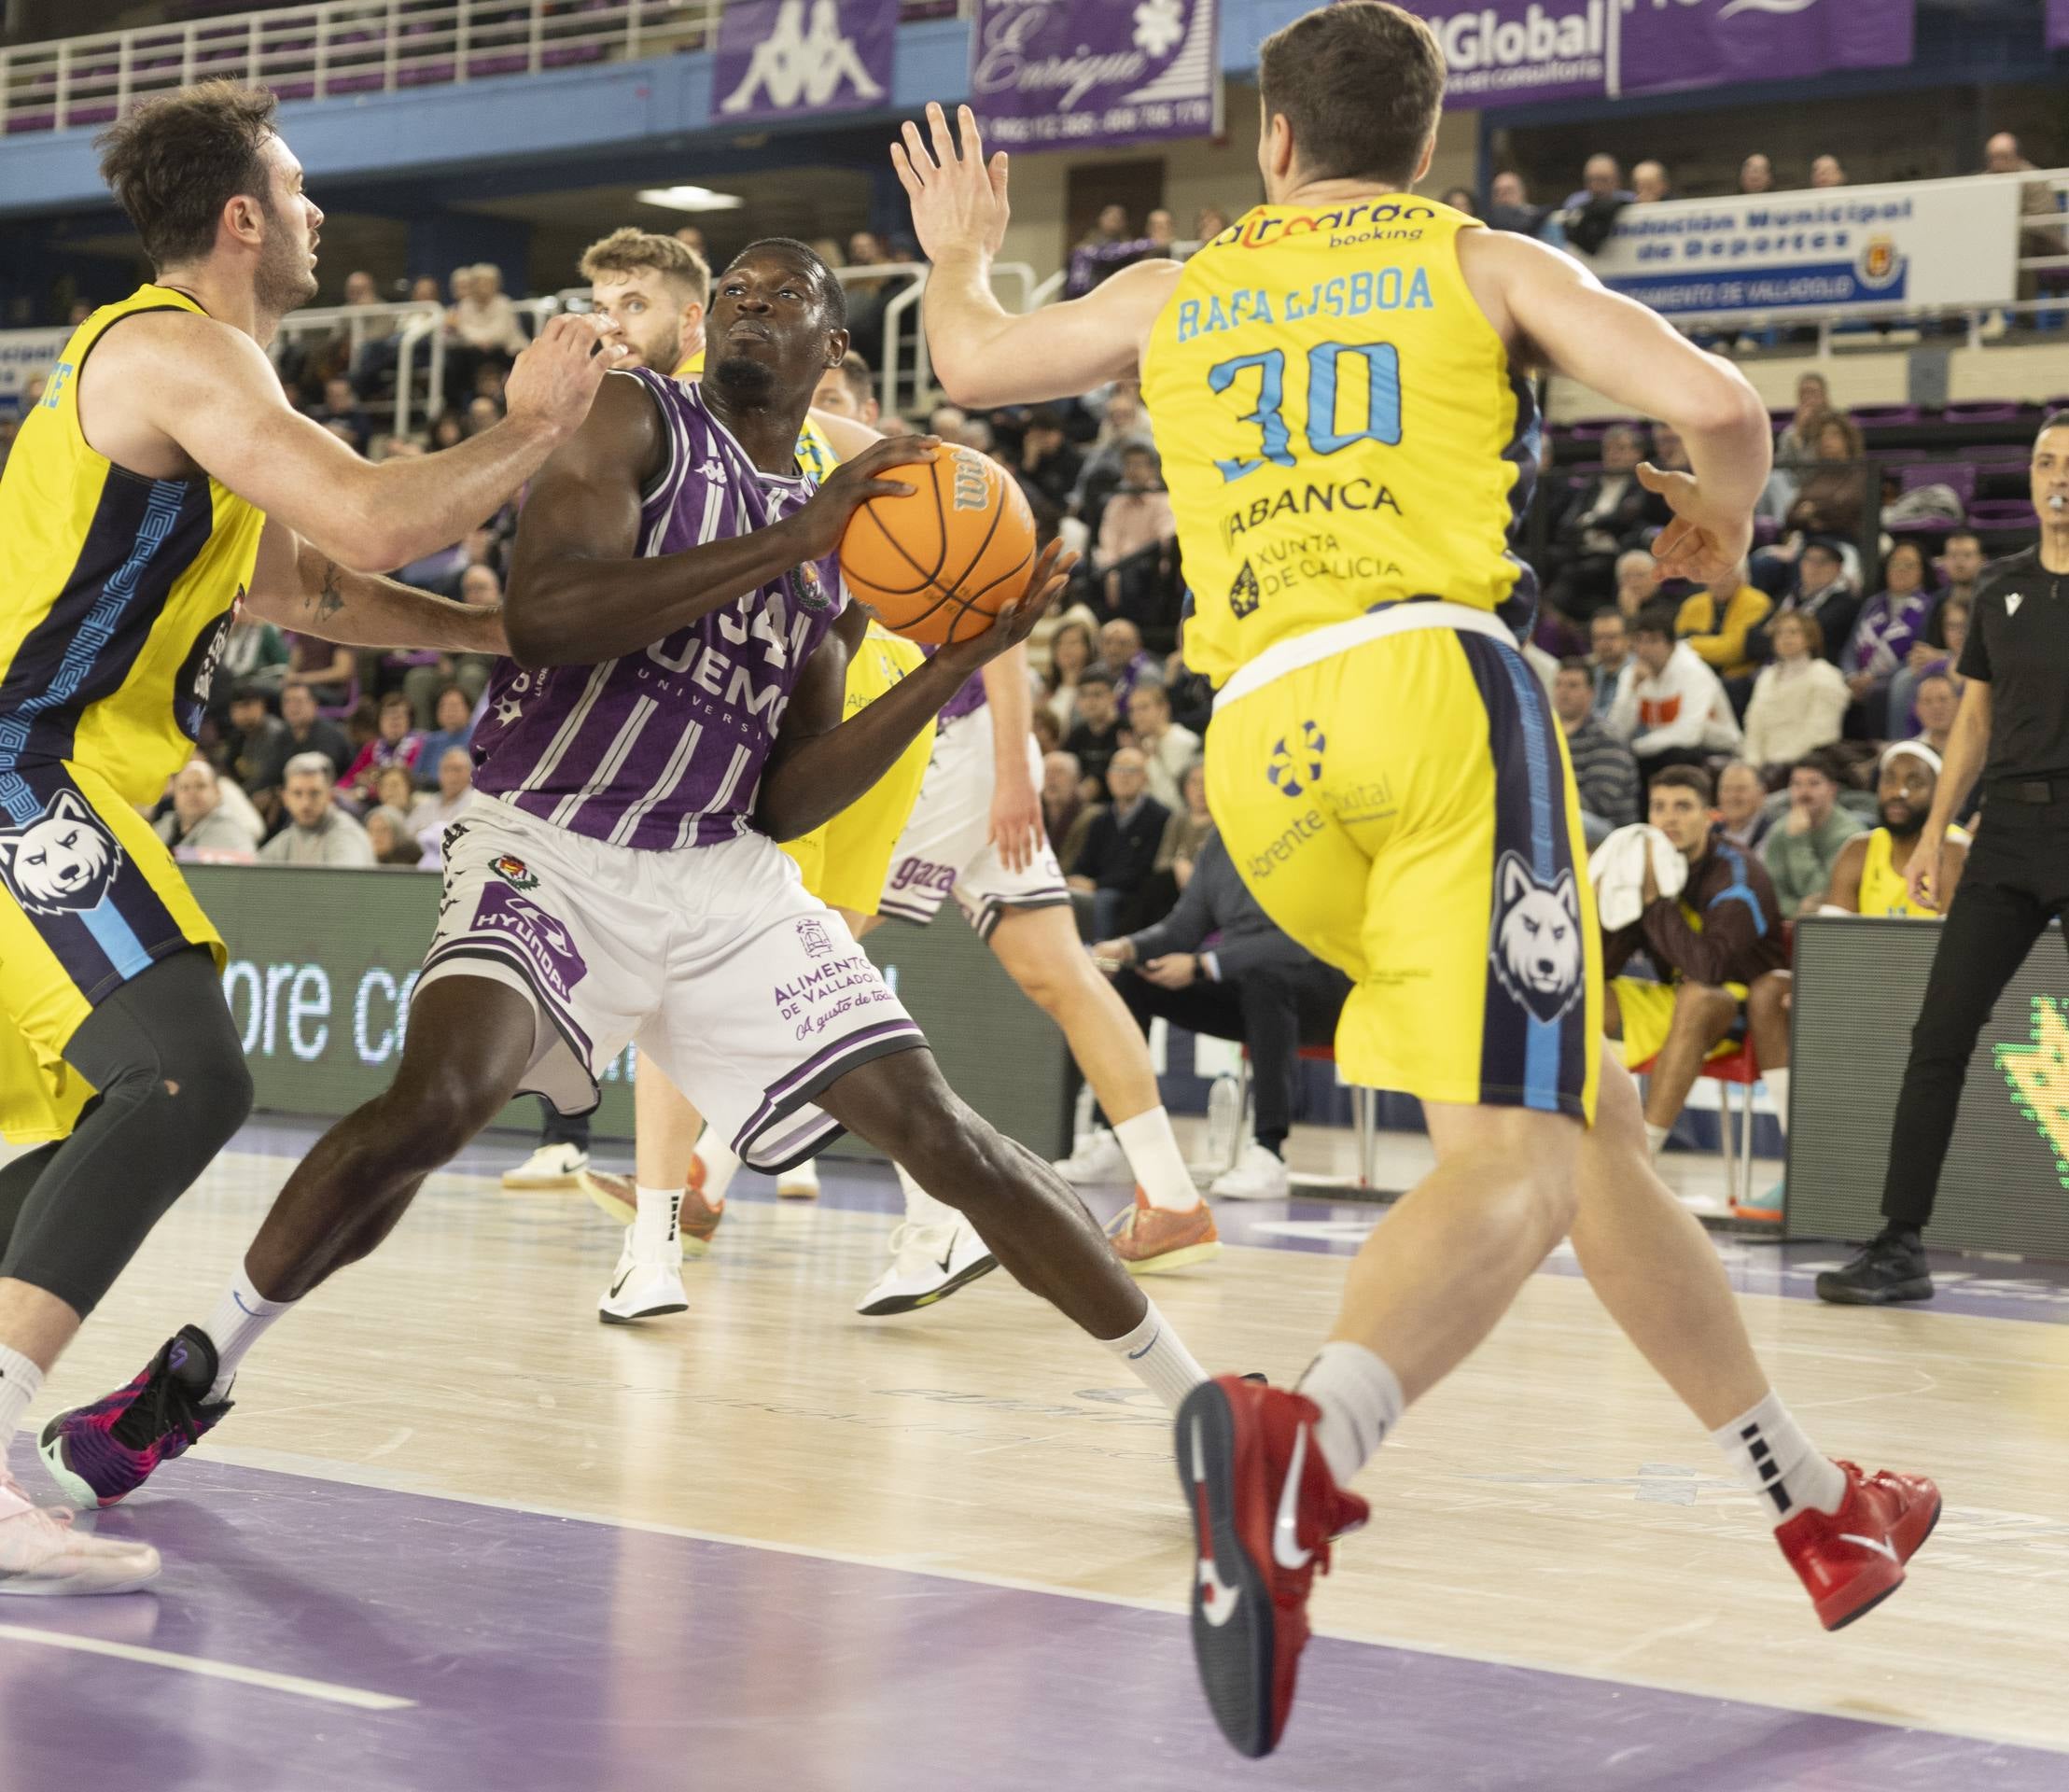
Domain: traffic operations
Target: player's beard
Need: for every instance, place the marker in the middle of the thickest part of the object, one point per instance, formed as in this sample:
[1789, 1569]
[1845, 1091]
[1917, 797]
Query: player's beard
[1909, 828]
[744, 380]
[284, 281]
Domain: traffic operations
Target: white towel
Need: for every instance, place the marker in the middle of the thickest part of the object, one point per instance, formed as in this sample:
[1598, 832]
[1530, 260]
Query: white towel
[1618, 871]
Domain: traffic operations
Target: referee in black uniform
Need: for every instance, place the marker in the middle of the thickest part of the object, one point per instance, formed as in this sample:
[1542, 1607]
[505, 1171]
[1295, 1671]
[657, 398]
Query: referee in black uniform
[2013, 727]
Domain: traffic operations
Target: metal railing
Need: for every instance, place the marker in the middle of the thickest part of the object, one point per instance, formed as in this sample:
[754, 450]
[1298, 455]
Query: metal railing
[411, 327]
[340, 48]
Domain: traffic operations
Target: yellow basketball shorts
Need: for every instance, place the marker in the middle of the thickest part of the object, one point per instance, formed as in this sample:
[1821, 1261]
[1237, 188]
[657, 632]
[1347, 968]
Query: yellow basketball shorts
[88, 897]
[845, 861]
[1646, 1010]
[1395, 792]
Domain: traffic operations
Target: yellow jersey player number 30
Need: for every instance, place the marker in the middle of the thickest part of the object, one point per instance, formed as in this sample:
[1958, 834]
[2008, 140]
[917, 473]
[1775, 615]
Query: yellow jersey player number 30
[1339, 386]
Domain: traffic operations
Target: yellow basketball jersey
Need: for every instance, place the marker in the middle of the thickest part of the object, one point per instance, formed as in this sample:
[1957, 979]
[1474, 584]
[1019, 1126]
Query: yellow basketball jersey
[815, 454]
[1883, 890]
[1339, 426]
[116, 592]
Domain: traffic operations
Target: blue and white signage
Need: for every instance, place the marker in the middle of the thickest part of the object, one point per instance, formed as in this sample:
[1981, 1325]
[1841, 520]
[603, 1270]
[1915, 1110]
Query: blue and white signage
[1924, 243]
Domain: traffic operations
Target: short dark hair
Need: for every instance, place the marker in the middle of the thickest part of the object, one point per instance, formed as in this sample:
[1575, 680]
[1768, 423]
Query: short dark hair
[1818, 544]
[174, 163]
[1657, 619]
[1360, 84]
[1608, 611]
[1935, 677]
[1685, 778]
[1581, 664]
[1961, 535]
[393, 700]
[249, 691]
[1097, 674]
[1820, 762]
[1044, 417]
[832, 294]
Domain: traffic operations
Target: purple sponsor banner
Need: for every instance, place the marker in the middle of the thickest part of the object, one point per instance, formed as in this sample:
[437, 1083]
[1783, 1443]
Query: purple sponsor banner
[2058, 25]
[1074, 74]
[1525, 52]
[784, 59]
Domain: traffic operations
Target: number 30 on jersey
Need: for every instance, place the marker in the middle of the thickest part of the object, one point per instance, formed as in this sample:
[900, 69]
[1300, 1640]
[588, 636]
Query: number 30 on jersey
[1334, 373]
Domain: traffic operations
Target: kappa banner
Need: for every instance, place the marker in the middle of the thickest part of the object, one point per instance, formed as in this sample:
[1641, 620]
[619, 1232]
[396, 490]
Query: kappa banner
[782, 59]
[1521, 52]
[1925, 243]
[1050, 73]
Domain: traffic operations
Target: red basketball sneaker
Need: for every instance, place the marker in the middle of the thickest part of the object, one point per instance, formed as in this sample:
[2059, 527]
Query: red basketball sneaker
[1851, 1561]
[1265, 1508]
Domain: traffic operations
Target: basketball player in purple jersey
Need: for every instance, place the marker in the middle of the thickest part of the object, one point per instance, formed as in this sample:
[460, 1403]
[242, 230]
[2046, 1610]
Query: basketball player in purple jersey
[672, 708]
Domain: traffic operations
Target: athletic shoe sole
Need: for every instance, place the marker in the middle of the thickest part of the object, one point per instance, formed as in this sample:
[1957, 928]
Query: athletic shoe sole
[541, 1182]
[606, 1200]
[891, 1303]
[77, 1491]
[1868, 1605]
[73, 1589]
[1179, 1259]
[1234, 1653]
[645, 1312]
[1842, 1294]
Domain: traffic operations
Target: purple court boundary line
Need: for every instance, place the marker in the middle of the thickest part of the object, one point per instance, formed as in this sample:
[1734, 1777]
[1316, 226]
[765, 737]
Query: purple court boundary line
[559, 1668]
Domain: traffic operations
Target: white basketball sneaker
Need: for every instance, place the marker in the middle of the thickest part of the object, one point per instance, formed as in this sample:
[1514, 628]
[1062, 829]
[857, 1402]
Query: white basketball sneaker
[1097, 1160]
[549, 1166]
[1256, 1176]
[801, 1182]
[929, 1262]
[41, 1553]
[644, 1285]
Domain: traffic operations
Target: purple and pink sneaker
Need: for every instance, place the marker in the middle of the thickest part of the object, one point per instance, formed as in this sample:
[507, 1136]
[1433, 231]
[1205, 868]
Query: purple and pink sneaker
[103, 1452]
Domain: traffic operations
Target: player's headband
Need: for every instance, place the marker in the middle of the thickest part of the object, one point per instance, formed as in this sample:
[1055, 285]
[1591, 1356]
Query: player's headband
[1917, 749]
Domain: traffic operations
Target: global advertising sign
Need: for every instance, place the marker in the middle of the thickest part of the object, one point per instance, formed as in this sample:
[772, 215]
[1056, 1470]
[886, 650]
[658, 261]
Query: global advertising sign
[1926, 242]
[1521, 52]
[323, 965]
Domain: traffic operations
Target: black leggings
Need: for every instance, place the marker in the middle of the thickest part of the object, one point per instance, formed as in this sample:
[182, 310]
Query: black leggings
[173, 1090]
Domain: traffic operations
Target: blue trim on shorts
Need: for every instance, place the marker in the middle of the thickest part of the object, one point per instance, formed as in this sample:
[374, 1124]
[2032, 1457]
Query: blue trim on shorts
[1541, 1038]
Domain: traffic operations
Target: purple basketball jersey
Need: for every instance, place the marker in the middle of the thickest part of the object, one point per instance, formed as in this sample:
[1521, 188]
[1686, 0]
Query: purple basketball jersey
[664, 748]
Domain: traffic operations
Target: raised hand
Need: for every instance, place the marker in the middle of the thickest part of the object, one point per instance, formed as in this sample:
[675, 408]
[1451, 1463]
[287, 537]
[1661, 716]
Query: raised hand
[553, 380]
[959, 199]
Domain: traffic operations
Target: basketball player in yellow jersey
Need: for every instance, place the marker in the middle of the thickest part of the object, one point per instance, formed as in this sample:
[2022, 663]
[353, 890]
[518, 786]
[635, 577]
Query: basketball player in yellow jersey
[1339, 384]
[163, 484]
[1869, 876]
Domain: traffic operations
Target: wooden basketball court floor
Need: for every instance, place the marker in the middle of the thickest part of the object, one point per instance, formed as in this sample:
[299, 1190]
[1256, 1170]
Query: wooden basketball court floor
[457, 1535]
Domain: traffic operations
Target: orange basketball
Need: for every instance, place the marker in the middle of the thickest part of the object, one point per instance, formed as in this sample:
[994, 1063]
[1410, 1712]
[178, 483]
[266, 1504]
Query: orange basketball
[940, 563]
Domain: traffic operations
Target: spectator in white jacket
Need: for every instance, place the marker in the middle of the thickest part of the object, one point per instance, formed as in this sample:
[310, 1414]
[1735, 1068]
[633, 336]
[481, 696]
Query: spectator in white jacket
[1670, 708]
[1799, 701]
[1169, 749]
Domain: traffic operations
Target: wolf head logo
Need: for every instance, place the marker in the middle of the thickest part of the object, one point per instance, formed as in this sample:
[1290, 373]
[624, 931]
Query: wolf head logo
[64, 862]
[1537, 949]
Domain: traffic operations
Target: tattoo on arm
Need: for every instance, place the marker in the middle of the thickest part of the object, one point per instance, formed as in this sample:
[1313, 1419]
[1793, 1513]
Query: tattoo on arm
[329, 600]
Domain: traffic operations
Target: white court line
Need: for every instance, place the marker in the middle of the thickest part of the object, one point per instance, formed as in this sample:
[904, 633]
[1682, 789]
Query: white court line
[207, 1670]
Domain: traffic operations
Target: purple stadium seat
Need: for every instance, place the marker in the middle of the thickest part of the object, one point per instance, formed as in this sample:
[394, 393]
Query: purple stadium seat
[1876, 416]
[2003, 514]
[1959, 474]
[1980, 413]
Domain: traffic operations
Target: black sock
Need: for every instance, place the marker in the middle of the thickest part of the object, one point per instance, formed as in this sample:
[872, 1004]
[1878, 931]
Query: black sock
[1274, 1142]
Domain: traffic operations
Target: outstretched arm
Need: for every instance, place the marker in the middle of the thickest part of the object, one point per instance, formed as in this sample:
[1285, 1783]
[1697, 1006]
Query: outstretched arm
[983, 355]
[210, 390]
[579, 590]
[300, 587]
[820, 764]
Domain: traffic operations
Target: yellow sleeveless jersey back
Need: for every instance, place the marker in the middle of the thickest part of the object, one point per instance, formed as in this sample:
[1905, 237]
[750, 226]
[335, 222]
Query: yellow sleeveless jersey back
[1339, 426]
[116, 592]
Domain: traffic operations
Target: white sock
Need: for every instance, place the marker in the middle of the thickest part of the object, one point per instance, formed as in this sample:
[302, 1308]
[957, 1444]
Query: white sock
[20, 1382]
[655, 1231]
[1779, 1465]
[1361, 1402]
[922, 1209]
[241, 1317]
[1655, 1139]
[719, 1166]
[1159, 1165]
[1158, 1355]
[1777, 1086]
